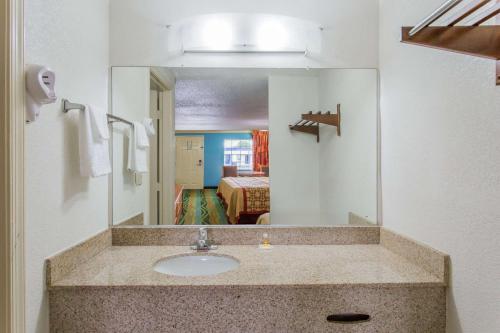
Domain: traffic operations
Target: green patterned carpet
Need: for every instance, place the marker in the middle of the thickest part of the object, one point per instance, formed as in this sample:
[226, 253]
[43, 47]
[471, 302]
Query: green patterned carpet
[202, 207]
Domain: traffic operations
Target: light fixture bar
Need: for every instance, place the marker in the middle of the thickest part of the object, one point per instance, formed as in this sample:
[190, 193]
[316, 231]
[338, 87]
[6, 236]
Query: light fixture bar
[303, 52]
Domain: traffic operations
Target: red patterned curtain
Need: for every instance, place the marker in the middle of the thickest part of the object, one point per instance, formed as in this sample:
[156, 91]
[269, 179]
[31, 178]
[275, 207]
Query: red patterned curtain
[260, 149]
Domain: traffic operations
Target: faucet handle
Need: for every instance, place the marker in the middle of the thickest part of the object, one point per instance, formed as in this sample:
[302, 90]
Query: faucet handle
[203, 243]
[203, 233]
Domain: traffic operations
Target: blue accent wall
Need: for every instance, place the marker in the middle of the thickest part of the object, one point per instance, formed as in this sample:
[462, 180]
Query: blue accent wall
[214, 153]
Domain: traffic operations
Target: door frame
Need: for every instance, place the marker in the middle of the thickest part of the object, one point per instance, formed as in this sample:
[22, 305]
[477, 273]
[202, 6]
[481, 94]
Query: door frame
[12, 122]
[166, 80]
[164, 210]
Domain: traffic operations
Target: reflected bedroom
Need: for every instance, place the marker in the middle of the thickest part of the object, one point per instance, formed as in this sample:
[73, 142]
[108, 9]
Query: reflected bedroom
[221, 145]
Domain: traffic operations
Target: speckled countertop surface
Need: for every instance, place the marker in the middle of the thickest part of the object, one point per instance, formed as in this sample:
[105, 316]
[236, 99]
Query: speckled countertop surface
[285, 265]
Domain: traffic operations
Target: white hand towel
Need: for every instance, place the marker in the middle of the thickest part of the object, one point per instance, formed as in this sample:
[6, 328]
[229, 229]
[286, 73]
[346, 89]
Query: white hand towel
[93, 147]
[141, 136]
[99, 123]
[150, 127]
[137, 157]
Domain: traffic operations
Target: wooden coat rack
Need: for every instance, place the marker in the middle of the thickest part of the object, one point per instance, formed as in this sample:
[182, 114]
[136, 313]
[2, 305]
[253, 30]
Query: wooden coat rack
[309, 123]
[472, 39]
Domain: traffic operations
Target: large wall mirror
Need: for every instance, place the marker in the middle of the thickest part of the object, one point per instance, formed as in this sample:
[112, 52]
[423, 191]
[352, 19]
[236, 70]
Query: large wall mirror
[236, 146]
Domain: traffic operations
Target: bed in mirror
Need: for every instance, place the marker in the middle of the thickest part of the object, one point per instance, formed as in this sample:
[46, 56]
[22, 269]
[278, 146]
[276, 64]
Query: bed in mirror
[236, 146]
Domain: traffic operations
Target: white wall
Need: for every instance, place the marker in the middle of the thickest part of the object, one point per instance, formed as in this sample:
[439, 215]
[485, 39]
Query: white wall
[293, 156]
[130, 90]
[348, 163]
[441, 161]
[139, 36]
[62, 208]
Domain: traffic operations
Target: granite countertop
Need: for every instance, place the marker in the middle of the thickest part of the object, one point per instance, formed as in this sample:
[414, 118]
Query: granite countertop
[283, 265]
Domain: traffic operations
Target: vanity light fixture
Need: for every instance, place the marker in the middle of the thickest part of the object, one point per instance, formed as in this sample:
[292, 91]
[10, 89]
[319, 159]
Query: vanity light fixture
[247, 33]
[254, 51]
[271, 35]
[218, 34]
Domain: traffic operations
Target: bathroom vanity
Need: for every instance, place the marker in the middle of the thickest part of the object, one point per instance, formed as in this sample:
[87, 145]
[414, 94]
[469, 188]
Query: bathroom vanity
[328, 279]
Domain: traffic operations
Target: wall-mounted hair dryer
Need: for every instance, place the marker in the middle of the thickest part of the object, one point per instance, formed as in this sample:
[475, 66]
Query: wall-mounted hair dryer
[40, 83]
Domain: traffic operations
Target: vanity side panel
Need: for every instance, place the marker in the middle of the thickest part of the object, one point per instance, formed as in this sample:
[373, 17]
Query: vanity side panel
[64, 262]
[433, 261]
[246, 309]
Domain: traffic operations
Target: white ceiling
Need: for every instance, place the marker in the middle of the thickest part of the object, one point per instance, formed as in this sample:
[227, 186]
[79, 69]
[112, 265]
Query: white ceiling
[224, 100]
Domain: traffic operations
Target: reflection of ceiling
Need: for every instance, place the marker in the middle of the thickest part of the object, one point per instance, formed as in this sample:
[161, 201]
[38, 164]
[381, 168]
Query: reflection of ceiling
[220, 100]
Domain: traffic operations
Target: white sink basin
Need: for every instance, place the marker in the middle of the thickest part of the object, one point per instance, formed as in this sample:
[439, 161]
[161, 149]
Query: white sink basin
[196, 265]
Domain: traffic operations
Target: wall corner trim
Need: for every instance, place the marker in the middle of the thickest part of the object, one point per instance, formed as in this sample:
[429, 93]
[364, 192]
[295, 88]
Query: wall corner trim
[12, 122]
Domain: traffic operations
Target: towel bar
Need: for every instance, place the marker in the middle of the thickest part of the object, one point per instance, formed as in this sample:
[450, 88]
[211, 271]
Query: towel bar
[67, 106]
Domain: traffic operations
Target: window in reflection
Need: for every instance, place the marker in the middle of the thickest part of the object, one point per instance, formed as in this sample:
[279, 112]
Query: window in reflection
[238, 153]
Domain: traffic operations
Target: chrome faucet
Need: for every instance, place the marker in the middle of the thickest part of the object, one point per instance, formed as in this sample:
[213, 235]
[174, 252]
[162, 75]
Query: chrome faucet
[203, 243]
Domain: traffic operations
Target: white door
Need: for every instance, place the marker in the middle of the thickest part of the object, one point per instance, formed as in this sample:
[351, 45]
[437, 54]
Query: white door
[189, 161]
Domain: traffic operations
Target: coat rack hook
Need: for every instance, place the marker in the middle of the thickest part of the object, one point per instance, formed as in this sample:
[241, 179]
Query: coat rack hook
[309, 122]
